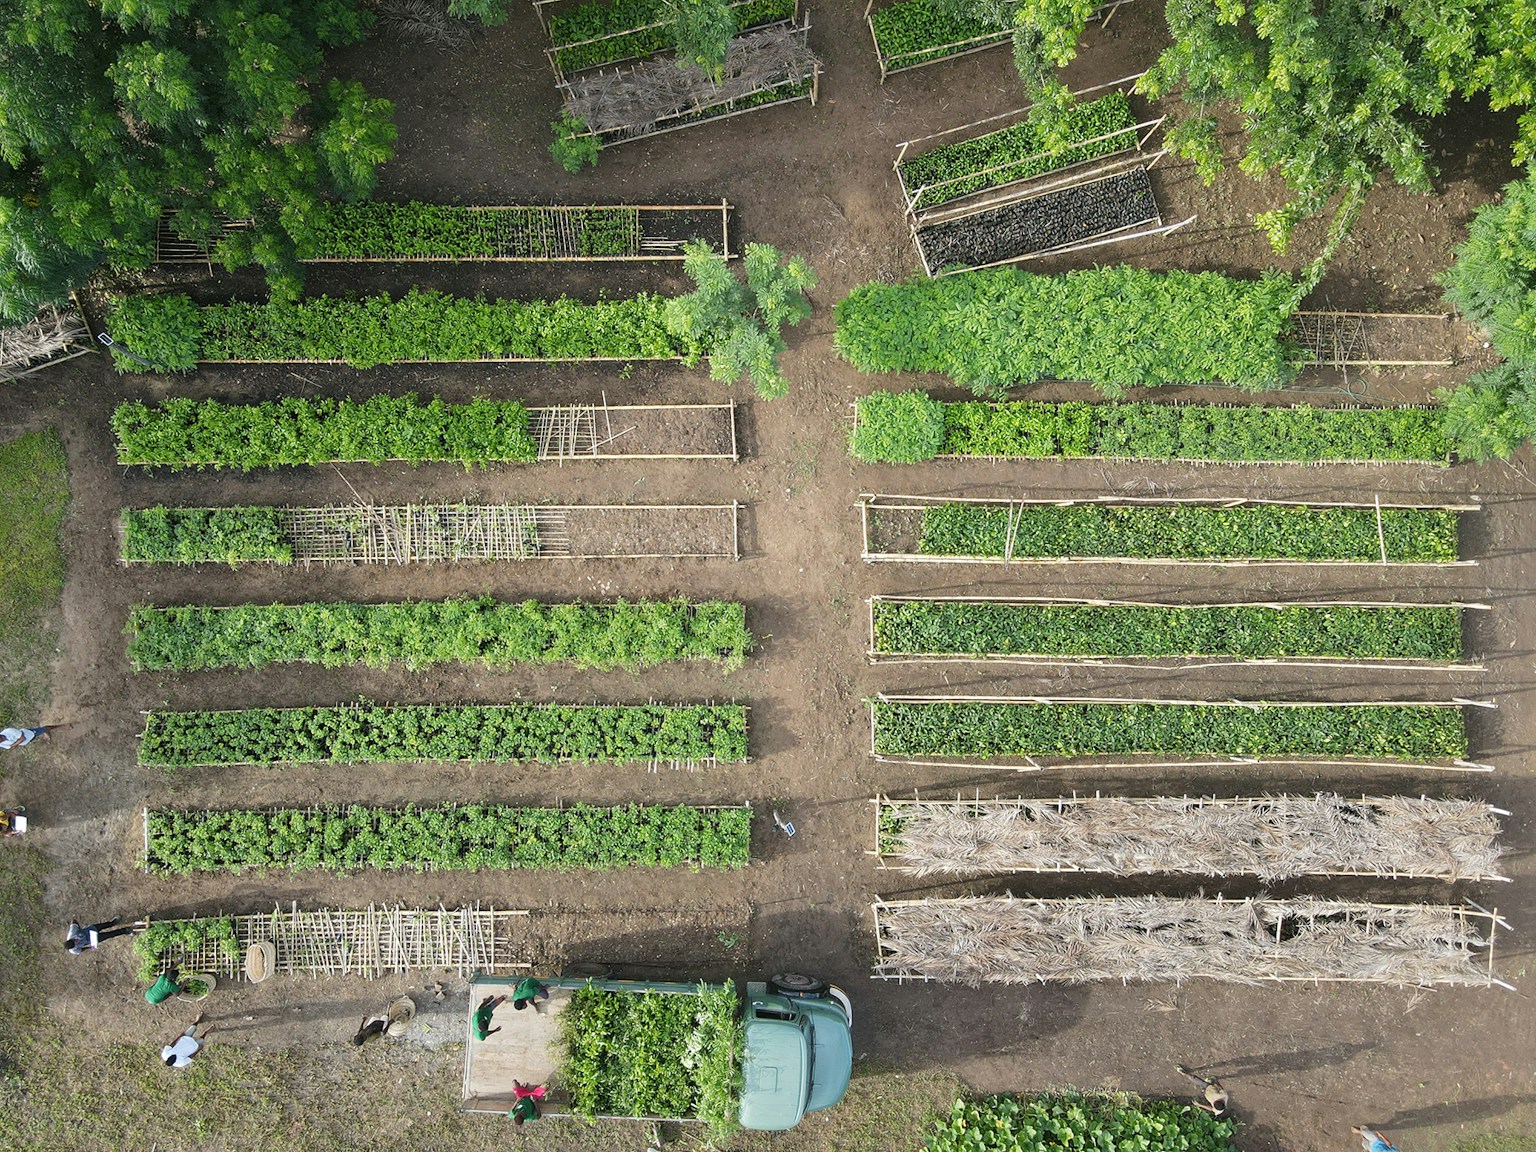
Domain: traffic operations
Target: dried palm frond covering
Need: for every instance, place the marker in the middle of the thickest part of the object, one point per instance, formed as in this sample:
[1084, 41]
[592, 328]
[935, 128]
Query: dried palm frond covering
[629, 102]
[1271, 837]
[54, 334]
[1153, 939]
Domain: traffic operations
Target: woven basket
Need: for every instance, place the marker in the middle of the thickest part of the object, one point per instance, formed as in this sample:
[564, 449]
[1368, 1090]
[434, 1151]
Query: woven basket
[260, 961]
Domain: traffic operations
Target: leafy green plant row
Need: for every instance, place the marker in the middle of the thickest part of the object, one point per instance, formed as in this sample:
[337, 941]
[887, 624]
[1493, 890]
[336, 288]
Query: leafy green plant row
[374, 230]
[1191, 532]
[184, 433]
[167, 938]
[1110, 1122]
[1335, 631]
[424, 633]
[619, 27]
[1117, 327]
[458, 837]
[905, 427]
[1334, 731]
[367, 733]
[175, 334]
[913, 32]
[652, 1053]
[1020, 151]
[247, 533]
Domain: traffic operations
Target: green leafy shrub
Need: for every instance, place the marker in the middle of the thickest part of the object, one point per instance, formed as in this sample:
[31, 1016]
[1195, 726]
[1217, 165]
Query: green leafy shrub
[1333, 731]
[453, 837]
[374, 230]
[897, 428]
[422, 634]
[913, 32]
[1117, 327]
[501, 733]
[184, 433]
[1109, 1122]
[1217, 432]
[166, 942]
[627, 29]
[167, 331]
[574, 147]
[430, 326]
[1191, 532]
[1344, 632]
[631, 1053]
[738, 324]
[205, 535]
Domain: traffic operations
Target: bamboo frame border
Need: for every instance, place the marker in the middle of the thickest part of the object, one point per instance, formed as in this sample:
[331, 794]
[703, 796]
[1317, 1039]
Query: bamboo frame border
[883, 859]
[1190, 662]
[1091, 760]
[1463, 912]
[872, 502]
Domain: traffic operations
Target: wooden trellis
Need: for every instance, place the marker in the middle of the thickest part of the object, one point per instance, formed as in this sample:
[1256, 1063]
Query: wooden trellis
[1190, 662]
[659, 233]
[1271, 837]
[1025, 763]
[1003, 940]
[633, 431]
[371, 942]
[992, 39]
[53, 336]
[886, 517]
[1352, 340]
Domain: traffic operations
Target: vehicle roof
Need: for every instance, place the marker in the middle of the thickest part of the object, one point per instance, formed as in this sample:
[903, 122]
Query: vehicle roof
[773, 1090]
[832, 1053]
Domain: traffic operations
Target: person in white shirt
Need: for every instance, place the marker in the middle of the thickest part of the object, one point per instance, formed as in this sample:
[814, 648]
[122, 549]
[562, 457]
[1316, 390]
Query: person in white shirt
[179, 1053]
[20, 737]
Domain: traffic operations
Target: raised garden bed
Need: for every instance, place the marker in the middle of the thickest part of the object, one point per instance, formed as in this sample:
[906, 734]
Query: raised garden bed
[426, 633]
[602, 32]
[465, 837]
[501, 733]
[905, 427]
[1111, 206]
[1093, 1120]
[912, 33]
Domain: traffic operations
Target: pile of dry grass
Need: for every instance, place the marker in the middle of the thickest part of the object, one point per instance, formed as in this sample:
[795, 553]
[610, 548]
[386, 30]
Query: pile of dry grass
[1271, 837]
[52, 334]
[1158, 939]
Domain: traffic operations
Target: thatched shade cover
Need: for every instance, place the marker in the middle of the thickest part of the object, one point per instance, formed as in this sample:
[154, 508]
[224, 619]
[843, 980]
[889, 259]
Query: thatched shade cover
[1271, 837]
[53, 334]
[1159, 939]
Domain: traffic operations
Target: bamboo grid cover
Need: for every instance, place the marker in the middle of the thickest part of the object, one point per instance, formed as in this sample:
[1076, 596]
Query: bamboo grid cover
[369, 942]
[414, 533]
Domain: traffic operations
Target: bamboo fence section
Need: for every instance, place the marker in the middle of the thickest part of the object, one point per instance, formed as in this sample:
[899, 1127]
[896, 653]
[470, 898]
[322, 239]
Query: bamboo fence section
[877, 511]
[573, 432]
[1157, 939]
[370, 942]
[657, 96]
[1028, 763]
[53, 336]
[659, 233]
[1342, 339]
[1271, 837]
[1105, 12]
[1191, 662]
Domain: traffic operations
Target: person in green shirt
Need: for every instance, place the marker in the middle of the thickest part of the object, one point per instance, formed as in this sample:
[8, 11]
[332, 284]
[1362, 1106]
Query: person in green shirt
[164, 988]
[482, 1020]
[525, 1109]
[529, 991]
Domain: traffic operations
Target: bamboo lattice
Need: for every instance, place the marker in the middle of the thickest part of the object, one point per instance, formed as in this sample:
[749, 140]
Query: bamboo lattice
[1157, 939]
[1271, 837]
[634, 432]
[370, 942]
[1347, 340]
[424, 533]
[51, 337]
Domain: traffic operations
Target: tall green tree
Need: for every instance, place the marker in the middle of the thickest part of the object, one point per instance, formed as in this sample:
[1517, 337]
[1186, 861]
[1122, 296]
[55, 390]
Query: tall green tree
[114, 110]
[1331, 93]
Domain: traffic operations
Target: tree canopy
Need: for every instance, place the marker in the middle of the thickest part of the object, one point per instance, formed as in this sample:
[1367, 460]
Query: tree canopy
[1331, 93]
[114, 110]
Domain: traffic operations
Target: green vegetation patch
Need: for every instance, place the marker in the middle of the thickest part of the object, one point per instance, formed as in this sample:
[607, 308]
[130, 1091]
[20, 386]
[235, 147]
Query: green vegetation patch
[34, 483]
[914, 32]
[166, 942]
[1399, 731]
[632, 1053]
[374, 230]
[248, 533]
[185, 433]
[1107, 1121]
[1191, 532]
[1020, 151]
[1341, 632]
[176, 334]
[1117, 327]
[618, 26]
[899, 428]
[456, 837]
[499, 733]
[423, 633]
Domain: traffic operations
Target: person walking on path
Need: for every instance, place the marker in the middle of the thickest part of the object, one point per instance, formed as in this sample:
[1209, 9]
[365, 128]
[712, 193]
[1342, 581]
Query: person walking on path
[1213, 1097]
[526, 1108]
[519, 1090]
[168, 985]
[79, 939]
[528, 991]
[1372, 1140]
[179, 1053]
[21, 737]
[482, 1021]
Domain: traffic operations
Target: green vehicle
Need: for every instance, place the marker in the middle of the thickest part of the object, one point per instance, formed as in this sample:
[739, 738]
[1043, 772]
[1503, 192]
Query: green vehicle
[608, 1049]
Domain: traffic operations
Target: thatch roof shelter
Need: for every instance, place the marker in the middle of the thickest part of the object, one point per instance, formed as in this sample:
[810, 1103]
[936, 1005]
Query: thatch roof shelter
[54, 334]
